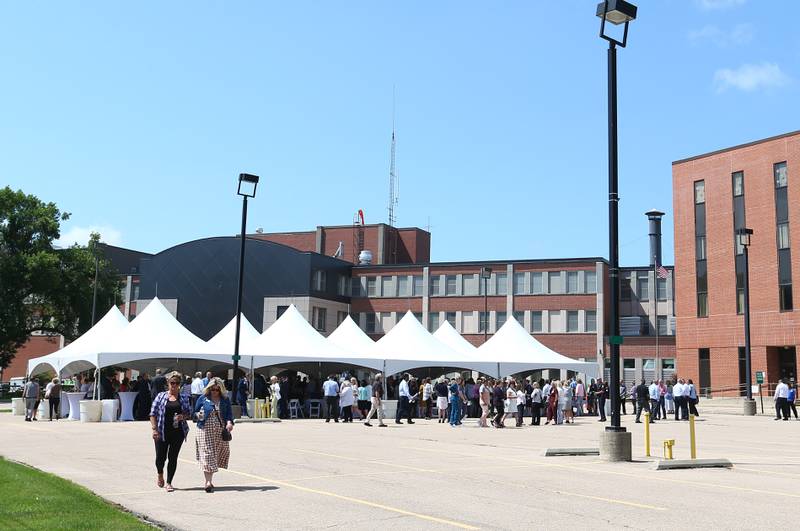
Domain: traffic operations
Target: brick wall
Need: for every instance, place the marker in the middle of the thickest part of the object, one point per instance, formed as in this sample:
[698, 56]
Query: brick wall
[35, 347]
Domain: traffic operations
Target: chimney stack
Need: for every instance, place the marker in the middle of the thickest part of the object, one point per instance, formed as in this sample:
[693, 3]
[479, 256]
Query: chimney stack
[654, 217]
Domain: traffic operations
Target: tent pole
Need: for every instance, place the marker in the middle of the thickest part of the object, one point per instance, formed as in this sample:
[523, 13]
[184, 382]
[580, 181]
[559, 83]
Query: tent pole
[498, 370]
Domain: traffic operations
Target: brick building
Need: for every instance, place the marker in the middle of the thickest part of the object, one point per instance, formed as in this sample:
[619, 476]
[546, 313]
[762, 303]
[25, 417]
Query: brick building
[714, 194]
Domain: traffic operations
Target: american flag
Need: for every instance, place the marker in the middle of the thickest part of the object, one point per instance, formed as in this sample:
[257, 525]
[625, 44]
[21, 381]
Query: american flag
[662, 272]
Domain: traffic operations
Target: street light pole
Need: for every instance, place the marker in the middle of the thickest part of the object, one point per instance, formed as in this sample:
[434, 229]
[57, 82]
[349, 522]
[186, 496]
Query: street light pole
[616, 12]
[743, 235]
[246, 181]
[486, 274]
[94, 290]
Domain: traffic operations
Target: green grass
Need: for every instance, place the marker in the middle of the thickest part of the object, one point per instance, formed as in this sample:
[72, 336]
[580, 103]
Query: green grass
[31, 499]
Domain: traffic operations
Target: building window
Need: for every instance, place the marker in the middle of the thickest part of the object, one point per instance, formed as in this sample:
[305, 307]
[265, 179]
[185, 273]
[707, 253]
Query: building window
[372, 286]
[644, 325]
[699, 192]
[554, 318]
[280, 311]
[387, 288]
[591, 321]
[783, 242]
[500, 319]
[483, 319]
[783, 235]
[355, 288]
[469, 285]
[402, 286]
[662, 325]
[781, 175]
[519, 317]
[537, 285]
[661, 286]
[572, 321]
[318, 317]
[451, 318]
[502, 284]
[342, 285]
[418, 317]
[700, 248]
[738, 249]
[340, 317]
[417, 285]
[435, 284]
[702, 305]
[450, 284]
[433, 321]
[625, 292]
[590, 279]
[320, 279]
[738, 184]
[643, 287]
[370, 325]
[536, 322]
[519, 284]
[572, 282]
[554, 282]
[704, 372]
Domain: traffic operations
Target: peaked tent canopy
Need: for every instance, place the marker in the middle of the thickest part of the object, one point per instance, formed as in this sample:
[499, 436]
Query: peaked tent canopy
[409, 345]
[291, 339]
[224, 340]
[104, 330]
[450, 337]
[515, 350]
[349, 337]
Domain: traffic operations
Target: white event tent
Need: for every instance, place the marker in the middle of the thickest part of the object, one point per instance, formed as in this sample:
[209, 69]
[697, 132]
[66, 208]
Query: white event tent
[349, 337]
[515, 350]
[224, 341]
[450, 337]
[409, 345]
[291, 339]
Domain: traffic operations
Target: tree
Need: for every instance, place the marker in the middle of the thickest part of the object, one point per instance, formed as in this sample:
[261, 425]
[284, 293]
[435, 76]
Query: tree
[43, 288]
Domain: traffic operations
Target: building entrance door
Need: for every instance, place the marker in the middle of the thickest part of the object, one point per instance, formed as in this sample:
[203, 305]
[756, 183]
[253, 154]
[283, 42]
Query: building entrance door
[788, 363]
[704, 366]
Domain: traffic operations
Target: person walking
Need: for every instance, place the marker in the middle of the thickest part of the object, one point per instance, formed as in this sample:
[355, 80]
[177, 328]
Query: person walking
[197, 388]
[53, 394]
[31, 395]
[602, 394]
[536, 405]
[168, 415]
[275, 396]
[346, 401]
[214, 416]
[377, 406]
[642, 393]
[693, 399]
[623, 392]
[242, 393]
[790, 400]
[781, 398]
[484, 398]
[330, 390]
[498, 400]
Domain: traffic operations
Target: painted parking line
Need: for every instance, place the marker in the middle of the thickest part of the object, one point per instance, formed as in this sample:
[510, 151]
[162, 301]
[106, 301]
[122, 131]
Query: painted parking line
[358, 501]
[612, 500]
[362, 460]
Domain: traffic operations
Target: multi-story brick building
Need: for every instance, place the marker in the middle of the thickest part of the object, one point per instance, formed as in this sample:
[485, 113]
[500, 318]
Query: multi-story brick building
[753, 185]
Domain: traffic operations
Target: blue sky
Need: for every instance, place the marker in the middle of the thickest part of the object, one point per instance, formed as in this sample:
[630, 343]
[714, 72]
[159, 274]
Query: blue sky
[137, 118]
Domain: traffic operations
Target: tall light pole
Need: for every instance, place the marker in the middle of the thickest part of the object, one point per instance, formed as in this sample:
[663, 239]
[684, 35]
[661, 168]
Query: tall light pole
[743, 237]
[616, 12]
[247, 188]
[486, 274]
[94, 289]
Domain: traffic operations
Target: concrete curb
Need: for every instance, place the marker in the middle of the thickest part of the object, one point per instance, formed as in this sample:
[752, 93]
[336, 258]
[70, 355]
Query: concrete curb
[553, 452]
[676, 464]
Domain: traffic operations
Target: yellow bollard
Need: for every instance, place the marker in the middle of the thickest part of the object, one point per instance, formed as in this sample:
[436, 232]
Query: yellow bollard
[647, 433]
[668, 444]
[692, 440]
[257, 411]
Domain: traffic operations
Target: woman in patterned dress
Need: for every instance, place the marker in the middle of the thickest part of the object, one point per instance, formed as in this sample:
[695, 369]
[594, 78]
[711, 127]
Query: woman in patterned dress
[214, 414]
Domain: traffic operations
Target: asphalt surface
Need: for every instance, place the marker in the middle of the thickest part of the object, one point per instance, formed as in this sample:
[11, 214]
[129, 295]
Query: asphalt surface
[307, 474]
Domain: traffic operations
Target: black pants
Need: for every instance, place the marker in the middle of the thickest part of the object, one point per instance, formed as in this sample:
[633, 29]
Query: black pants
[622, 403]
[520, 414]
[601, 407]
[781, 408]
[679, 405]
[500, 410]
[55, 405]
[402, 409]
[662, 404]
[792, 408]
[333, 408]
[347, 413]
[644, 405]
[654, 409]
[536, 414]
[692, 403]
[169, 448]
[633, 401]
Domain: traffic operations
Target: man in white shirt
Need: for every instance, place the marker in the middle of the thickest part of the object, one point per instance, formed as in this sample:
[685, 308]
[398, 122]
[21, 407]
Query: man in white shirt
[655, 392]
[331, 391]
[677, 396]
[197, 387]
[404, 398]
[782, 401]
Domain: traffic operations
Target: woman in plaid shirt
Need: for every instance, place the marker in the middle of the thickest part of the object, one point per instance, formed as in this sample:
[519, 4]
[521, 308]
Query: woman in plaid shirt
[168, 416]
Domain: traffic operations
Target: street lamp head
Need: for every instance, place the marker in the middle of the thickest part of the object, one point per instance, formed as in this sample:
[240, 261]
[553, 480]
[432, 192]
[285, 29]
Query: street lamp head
[743, 235]
[486, 272]
[616, 12]
[247, 185]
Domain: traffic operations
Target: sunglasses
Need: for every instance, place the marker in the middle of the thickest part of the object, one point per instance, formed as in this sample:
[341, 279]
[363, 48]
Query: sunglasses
[174, 383]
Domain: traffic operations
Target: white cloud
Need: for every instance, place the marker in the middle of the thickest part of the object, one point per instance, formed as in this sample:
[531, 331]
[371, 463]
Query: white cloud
[711, 5]
[738, 35]
[80, 235]
[750, 77]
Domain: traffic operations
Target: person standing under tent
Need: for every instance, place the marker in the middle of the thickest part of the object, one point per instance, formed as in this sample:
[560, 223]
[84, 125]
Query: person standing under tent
[363, 399]
[536, 405]
[580, 396]
[53, 394]
[330, 390]
[591, 405]
[455, 402]
[427, 397]
[159, 384]
[275, 396]
[376, 399]
[214, 416]
[168, 415]
[569, 416]
[485, 397]
[441, 399]
[31, 395]
[522, 400]
[346, 401]
[143, 397]
[499, 401]
[403, 400]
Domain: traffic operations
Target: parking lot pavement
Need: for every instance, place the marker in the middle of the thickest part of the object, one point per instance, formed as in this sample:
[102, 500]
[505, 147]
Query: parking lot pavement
[308, 474]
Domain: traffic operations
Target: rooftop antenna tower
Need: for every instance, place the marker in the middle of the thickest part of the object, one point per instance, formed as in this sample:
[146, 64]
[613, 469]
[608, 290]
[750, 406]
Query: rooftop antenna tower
[394, 180]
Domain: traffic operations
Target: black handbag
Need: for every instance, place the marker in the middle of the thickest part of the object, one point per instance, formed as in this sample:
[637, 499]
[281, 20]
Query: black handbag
[226, 435]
